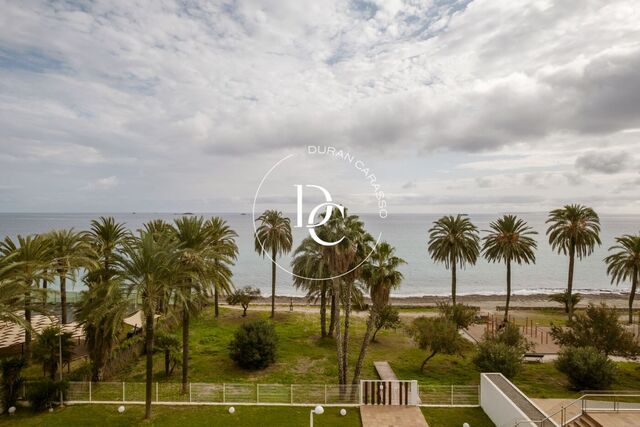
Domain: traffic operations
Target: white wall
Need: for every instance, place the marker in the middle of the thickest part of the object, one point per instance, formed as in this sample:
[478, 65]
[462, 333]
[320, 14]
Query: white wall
[502, 411]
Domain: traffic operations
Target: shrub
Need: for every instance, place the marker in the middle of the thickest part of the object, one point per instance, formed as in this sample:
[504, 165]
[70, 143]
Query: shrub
[566, 299]
[436, 335]
[510, 335]
[244, 297]
[461, 315]
[254, 345]
[586, 368]
[598, 327]
[43, 394]
[11, 380]
[387, 318]
[496, 356]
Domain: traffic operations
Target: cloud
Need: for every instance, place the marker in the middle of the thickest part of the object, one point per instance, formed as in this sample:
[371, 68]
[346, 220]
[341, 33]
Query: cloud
[603, 162]
[102, 184]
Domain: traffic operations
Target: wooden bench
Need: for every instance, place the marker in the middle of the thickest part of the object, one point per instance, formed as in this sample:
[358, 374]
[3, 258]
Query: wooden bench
[533, 357]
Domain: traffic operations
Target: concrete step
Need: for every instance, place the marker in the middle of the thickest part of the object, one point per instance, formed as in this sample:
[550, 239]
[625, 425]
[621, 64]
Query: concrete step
[584, 421]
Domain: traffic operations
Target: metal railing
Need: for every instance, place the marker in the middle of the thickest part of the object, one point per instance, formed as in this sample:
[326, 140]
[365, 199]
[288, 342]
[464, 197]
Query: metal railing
[449, 395]
[601, 401]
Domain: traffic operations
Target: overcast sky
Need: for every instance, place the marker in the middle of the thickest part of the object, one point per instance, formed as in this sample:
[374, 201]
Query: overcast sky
[458, 106]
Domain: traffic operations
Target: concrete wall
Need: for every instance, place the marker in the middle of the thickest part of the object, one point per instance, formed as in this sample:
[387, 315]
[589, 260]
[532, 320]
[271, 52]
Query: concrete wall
[502, 411]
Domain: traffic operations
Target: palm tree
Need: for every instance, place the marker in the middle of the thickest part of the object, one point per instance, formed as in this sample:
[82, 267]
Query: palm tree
[11, 293]
[101, 311]
[193, 239]
[147, 265]
[224, 252]
[574, 231]
[509, 240]
[46, 349]
[107, 237]
[454, 242]
[381, 275]
[311, 274]
[71, 251]
[624, 264]
[30, 258]
[273, 236]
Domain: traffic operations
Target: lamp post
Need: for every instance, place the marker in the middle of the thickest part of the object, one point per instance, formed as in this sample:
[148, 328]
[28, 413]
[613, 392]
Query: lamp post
[318, 410]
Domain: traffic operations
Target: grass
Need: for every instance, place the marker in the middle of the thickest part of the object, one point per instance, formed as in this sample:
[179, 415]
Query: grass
[193, 416]
[445, 417]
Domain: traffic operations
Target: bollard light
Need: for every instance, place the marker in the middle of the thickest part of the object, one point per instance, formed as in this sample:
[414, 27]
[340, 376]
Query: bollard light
[343, 412]
[232, 410]
[466, 425]
[12, 410]
[319, 410]
[121, 409]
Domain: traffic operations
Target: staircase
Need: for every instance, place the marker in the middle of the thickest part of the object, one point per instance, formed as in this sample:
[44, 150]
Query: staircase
[584, 421]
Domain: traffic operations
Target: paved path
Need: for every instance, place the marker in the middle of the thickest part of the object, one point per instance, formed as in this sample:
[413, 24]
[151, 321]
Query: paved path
[392, 416]
[615, 419]
[384, 371]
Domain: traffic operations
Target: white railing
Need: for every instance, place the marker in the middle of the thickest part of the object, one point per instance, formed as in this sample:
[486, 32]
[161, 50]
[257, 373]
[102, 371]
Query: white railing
[213, 394]
[563, 414]
[449, 395]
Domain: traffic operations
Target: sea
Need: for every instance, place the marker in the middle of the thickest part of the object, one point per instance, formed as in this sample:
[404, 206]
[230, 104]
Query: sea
[406, 232]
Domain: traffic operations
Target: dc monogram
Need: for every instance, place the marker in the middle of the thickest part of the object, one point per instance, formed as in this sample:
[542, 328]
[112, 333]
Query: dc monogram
[329, 204]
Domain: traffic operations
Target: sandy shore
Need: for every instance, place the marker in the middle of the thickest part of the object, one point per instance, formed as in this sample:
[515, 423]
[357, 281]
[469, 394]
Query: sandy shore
[485, 302]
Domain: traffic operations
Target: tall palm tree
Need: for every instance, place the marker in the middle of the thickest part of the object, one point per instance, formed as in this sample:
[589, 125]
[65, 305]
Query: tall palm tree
[107, 237]
[380, 274]
[273, 236]
[30, 258]
[311, 274]
[224, 252]
[509, 240]
[193, 240]
[71, 251]
[574, 230]
[624, 264]
[147, 266]
[454, 242]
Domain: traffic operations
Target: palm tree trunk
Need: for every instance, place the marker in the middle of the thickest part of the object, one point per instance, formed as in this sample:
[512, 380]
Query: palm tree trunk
[336, 327]
[185, 347]
[506, 307]
[63, 298]
[273, 284]
[216, 309]
[332, 318]
[365, 345]
[149, 368]
[27, 331]
[572, 260]
[323, 310]
[634, 284]
[433, 353]
[167, 361]
[345, 336]
[44, 287]
[453, 279]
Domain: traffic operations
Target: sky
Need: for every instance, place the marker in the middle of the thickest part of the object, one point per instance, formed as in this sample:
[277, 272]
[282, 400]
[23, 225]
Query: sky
[458, 106]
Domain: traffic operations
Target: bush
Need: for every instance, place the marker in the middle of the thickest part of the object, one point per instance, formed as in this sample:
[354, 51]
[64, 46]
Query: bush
[436, 335]
[254, 345]
[11, 380]
[510, 335]
[461, 315]
[586, 368]
[43, 394]
[496, 356]
[387, 318]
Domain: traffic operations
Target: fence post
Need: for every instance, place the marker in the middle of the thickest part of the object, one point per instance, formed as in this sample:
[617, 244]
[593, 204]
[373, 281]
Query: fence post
[292, 394]
[325, 394]
[451, 394]
[89, 391]
[123, 392]
[224, 393]
[157, 400]
[257, 393]
[189, 392]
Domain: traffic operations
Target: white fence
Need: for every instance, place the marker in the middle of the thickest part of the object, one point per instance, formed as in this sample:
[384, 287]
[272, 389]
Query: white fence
[213, 394]
[256, 394]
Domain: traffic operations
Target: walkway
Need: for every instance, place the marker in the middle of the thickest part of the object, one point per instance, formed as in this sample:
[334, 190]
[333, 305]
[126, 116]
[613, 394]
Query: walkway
[392, 416]
[384, 371]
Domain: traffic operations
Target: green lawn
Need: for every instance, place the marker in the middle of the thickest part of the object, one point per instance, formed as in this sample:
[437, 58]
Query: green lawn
[446, 417]
[192, 416]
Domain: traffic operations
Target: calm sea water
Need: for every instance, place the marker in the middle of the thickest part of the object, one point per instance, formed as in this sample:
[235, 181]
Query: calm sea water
[407, 232]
